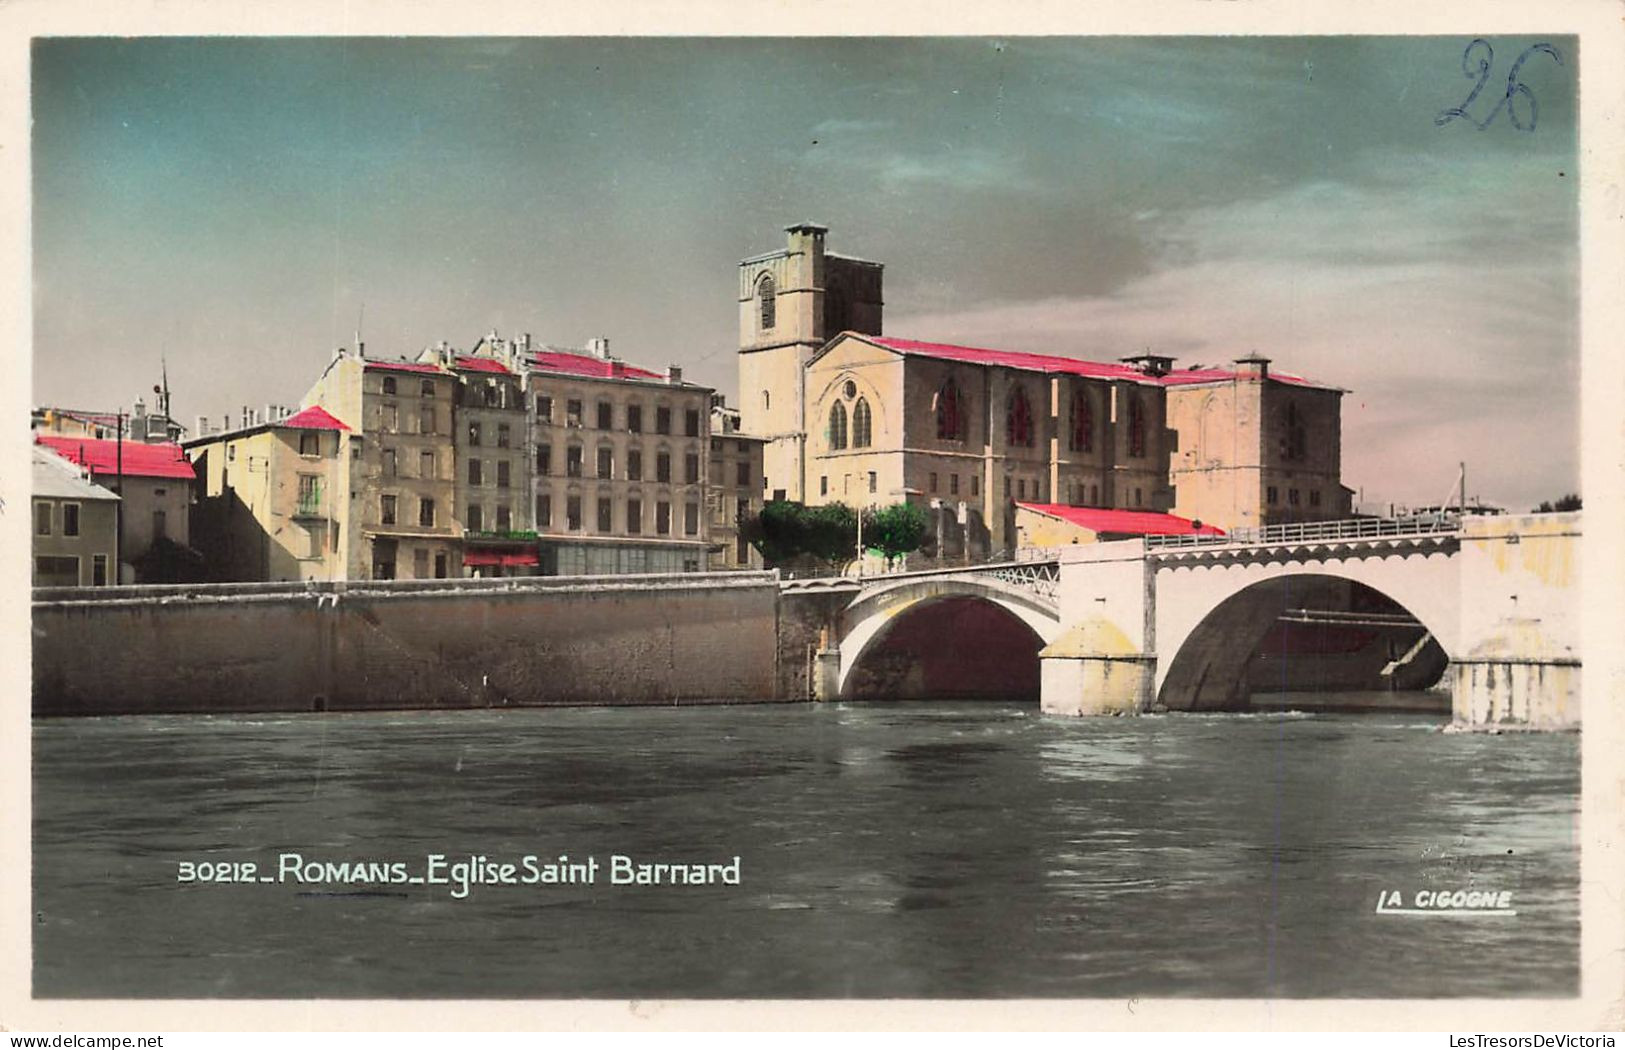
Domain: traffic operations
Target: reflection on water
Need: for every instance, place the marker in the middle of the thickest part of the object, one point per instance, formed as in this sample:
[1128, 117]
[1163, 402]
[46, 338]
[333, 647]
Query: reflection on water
[897, 850]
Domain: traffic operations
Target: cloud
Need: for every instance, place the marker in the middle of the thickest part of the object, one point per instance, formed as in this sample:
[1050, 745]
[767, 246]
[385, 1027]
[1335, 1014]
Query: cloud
[1443, 302]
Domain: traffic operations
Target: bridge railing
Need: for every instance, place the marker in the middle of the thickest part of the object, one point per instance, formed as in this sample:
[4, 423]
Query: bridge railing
[1306, 531]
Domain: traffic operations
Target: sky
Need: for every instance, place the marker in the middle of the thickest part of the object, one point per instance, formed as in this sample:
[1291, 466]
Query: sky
[238, 207]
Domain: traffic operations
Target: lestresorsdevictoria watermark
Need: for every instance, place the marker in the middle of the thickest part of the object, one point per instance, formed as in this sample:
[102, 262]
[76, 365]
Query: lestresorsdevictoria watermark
[462, 873]
[1531, 1042]
[1472, 903]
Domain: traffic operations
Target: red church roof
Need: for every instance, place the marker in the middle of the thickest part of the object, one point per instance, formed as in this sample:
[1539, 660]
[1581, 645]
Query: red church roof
[1128, 522]
[583, 365]
[140, 460]
[313, 418]
[1052, 363]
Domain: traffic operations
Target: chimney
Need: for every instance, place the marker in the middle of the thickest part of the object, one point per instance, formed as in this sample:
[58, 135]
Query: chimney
[1254, 366]
[202, 425]
[599, 347]
[524, 342]
[140, 410]
[617, 369]
[674, 374]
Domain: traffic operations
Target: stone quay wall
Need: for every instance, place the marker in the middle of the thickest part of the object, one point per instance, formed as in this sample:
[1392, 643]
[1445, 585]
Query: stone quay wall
[694, 638]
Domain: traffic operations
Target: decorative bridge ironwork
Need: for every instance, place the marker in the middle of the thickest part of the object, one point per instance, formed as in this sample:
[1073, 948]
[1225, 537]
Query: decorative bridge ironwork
[1319, 531]
[1042, 579]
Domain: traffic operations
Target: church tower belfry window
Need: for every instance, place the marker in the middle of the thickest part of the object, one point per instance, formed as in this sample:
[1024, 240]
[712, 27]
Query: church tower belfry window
[766, 292]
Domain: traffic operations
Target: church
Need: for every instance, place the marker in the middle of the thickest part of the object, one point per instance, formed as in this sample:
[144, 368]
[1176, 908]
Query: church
[855, 416]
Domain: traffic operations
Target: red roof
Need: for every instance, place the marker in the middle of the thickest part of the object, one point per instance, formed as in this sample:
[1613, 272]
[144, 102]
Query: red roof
[140, 460]
[1051, 363]
[583, 365]
[313, 418]
[406, 366]
[483, 364]
[1129, 522]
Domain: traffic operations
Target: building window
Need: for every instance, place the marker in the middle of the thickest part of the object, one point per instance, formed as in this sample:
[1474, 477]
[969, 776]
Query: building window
[389, 384]
[634, 464]
[1094, 495]
[504, 474]
[1021, 488]
[1018, 419]
[544, 510]
[1314, 497]
[504, 436]
[42, 518]
[953, 484]
[544, 459]
[420, 563]
[691, 469]
[476, 518]
[310, 494]
[861, 424]
[572, 413]
[1136, 426]
[474, 433]
[604, 514]
[837, 426]
[950, 416]
[606, 462]
[1136, 497]
[426, 388]
[572, 461]
[426, 513]
[691, 519]
[386, 510]
[1083, 422]
[741, 550]
[767, 401]
[475, 474]
[488, 393]
[231, 453]
[975, 485]
[310, 444]
[606, 415]
[874, 481]
[742, 473]
[426, 464]
[634, 517]
[392, 418]
[98, 570]
[1297, 435]
[634, 419]
[766, 294]
[691, 423]
[932, 486]
[741, 511]
[1007, 486]
[426, 420]
[1271, 496]
[663, 466]
[572, 513]
[823, 487]
[544, 409]
[160, 524]
[662, 518]
[1292, 497]
[662, 420]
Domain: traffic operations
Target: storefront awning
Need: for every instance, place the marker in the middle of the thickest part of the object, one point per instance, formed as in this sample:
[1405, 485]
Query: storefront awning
[504, 558]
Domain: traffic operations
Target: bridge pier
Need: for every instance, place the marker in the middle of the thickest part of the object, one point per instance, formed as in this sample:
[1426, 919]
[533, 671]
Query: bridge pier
[1093, 669]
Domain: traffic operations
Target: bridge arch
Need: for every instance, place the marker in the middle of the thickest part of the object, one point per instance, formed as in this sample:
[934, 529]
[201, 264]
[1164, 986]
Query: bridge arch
[881, 613]
[1211, 621]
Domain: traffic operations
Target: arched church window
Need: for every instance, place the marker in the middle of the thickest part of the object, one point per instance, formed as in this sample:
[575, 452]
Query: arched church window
[1083, 422]
[950, 417]
[861, 424]
[1136, 425]
[837, 425]
[1018, 419]
[765, 290]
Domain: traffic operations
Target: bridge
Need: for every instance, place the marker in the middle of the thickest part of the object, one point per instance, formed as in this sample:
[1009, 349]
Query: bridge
[1185, 622]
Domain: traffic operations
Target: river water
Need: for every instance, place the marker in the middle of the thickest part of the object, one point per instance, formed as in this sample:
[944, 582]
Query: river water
[885, 850]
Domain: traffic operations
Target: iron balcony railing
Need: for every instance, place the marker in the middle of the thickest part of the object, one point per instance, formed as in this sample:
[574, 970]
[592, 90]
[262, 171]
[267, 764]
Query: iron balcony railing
[1306, 531]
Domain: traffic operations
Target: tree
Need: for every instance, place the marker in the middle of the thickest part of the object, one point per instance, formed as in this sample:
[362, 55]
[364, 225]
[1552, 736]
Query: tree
[1568, 502]
[895, 530]
[785, 531]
